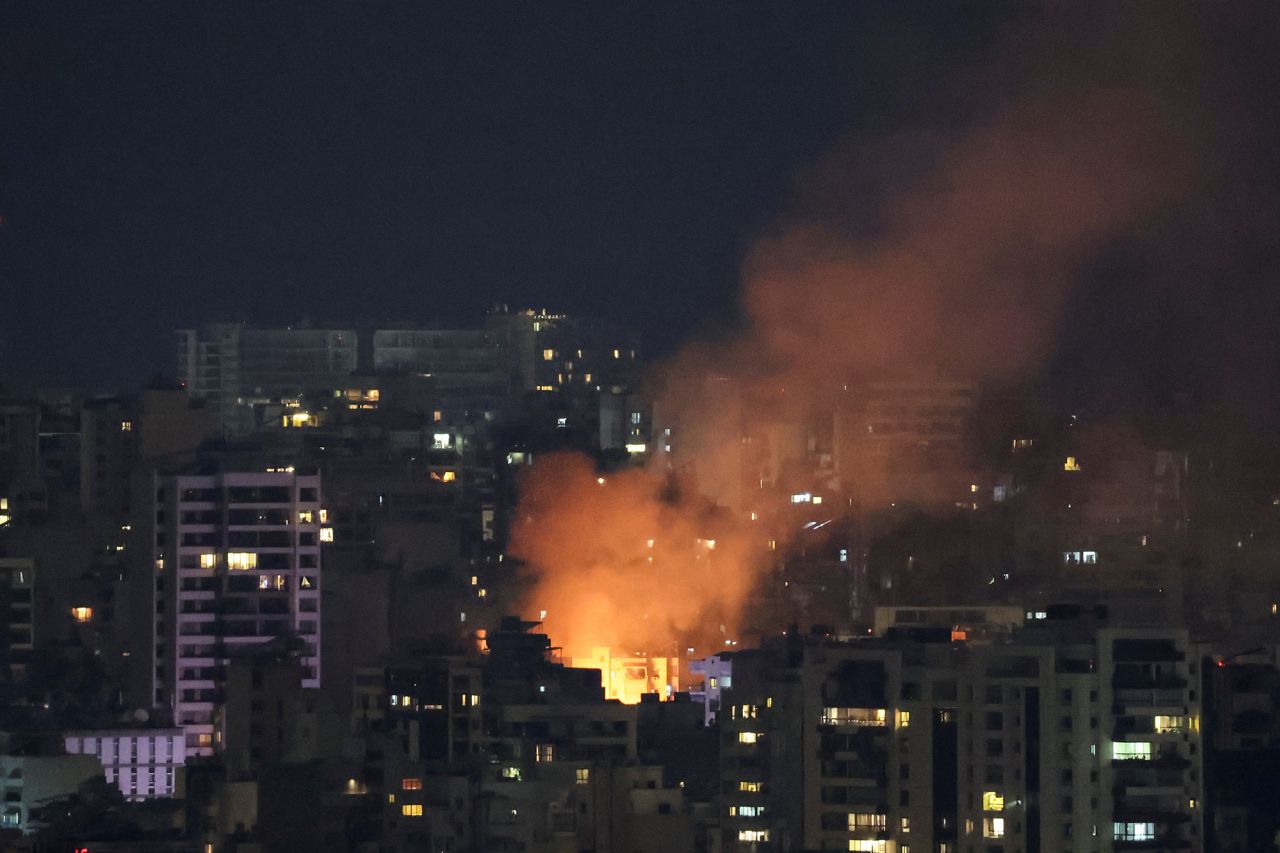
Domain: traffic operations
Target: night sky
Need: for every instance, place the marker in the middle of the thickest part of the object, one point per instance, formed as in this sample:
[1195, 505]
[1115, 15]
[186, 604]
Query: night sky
[168, 163]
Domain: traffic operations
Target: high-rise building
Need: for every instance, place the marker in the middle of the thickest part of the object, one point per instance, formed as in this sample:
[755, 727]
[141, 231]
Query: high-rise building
[237, 564]
[231, 366]
[1073, 737]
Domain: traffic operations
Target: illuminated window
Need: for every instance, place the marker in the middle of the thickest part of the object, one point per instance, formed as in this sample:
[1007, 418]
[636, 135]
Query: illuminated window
[869, 846]
[1071, 464]
[82, 613]
[324, 516]
[906, 824]
[326, 534]
[751, 834]
[1164, 724]
[750, 811]
[208, 561]
[474, 580]
[482, 592]
[992, 801]
[410, 783]
[239, 561]
[773, 544]
[411, 810]
[853, 717]
[512, 773]
[544, 752]
[437, 416]
[1140, 751]
[750, 787]
[749, 737]
[204, 739]
[617, 354]
[867, 820]
[903, 718]
[993, 827]
[440, 441]
[1130, 831]
[305, 516]
[126, 426]
[582, 775]
[449, 476]
[548, 355]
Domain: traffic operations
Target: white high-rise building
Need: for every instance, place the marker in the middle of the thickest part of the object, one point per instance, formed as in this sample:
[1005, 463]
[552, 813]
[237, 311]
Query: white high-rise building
[237, 564]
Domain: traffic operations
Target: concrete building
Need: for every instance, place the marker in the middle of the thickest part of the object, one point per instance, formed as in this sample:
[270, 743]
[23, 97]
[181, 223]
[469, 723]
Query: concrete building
[17, 617]
[1070, 737]
[233, 366]
[31, 781]
[237, 564]
[142, 763]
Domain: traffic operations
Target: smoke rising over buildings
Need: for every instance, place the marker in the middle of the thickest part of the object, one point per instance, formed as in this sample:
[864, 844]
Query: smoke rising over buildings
[945, 253]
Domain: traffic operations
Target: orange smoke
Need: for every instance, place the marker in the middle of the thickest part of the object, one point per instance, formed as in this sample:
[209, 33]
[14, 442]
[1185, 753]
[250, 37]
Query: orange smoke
[627, 563]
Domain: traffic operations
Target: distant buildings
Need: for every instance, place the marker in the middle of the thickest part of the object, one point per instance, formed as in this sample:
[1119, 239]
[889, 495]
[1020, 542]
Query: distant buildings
[142, 762]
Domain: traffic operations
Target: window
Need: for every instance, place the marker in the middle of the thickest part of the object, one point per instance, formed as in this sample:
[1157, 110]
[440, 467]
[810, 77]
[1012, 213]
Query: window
[82, 613]
[411, 810]
[238, 561]
[305, 516]
[753, 835]
[326, 534]
[866, 820]
[582, 776]
[903, 719]
[906, 824]
[1165, 724]
[992, 801]
[544, 752]
[126, 426]
[208, 561]
[1129, 831]
[749, 737]
[869, 846]
[751, 787]
[410, 783]
[993, 827]
[750, 811]
[548, 355]
[853, 716]
[1140, 751]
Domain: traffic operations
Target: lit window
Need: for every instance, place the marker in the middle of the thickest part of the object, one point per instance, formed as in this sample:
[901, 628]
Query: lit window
[82, 613]
[544, 752]
[305, 516]
[239, 561]
[751, 834]
[326, 534]
[582, 775]
[1140, 751]
[750, 811]
[126, 426]
[437, 416]
[869, 846]
[411, 810]
[617, 354]
[853, 717]
[449, 476]
[410, 783]
[208, 561]
[512, 773]
[906, 824]
[1071, 464]
[1130, 831]
[993, 827]
[867, 820]
[324, 516]
[440, 441]
[548, 355]
[749, 737]
[992, 801]
[750, 787]
[1164, 724]
[904, 719]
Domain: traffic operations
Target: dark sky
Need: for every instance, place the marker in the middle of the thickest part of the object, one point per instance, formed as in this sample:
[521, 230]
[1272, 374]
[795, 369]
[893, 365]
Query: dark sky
[165, 163]
[168, 163]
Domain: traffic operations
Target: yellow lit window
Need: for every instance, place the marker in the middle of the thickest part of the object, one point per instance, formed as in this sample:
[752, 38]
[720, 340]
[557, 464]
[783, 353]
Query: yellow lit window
[617, 354]
[992, 801]
[582, 775]
[853, 717]
[326, 534]
[544, 752]
[586, 377]
[437, 416]
[474, 580]
[449, 476]
[126, 426]
[410, 783]
[548, 355]
[305, 516]
[906, 824]
[867, 820]
[993, 827]
[748, 737]
[1071, 464]
[1165, 724]
[208, 561]
[82, 614]
[1131, 751]
[751, 834]
[239, 561]
[411, 810]
[204, 739]
[750, 787]
[391, 798]
[904, 719]
[864, 845]
[482, 592]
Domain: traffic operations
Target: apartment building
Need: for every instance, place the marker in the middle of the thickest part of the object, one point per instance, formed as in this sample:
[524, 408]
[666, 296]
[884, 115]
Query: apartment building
[141, 762]
[1070, 737]
[237, 564]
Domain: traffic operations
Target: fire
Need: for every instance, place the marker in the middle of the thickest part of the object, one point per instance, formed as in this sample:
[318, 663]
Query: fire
[630, 572]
